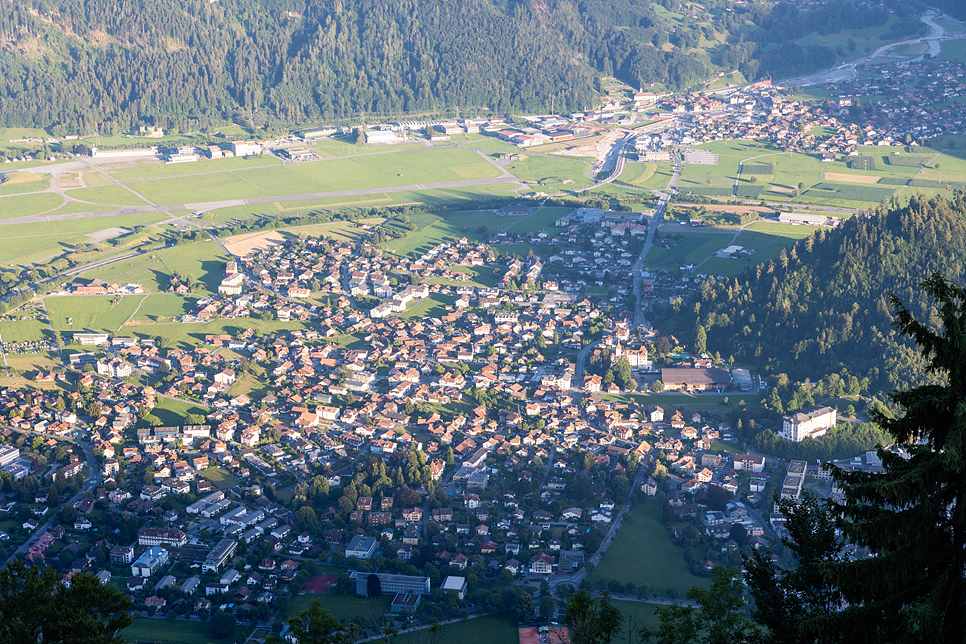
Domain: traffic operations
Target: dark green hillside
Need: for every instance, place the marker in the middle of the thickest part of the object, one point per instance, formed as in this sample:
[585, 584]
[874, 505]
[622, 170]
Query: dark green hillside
[72, 64]
[821, 307]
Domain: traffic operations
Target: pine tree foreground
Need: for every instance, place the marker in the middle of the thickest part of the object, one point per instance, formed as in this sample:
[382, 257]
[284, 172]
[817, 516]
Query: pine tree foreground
[911, 517]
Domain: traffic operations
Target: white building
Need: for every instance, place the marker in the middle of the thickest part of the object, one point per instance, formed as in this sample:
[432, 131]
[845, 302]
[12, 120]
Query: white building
[246, 148]
[811, 424]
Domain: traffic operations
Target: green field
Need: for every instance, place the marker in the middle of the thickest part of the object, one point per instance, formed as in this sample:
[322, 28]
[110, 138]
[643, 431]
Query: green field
[220, 477]
[765, 244]
[190, 335]
[30, 204]
[829, 192]
[433, 306]
[32, 242]
[90, 313]
[165, 631]
[161, 307]
[25, 331]
[369, 171]
[643, 553]
[173, 412]
[553, 173]
[23, 182]
[694, 248]
[492, 629]
[155, 170]
[111, 195]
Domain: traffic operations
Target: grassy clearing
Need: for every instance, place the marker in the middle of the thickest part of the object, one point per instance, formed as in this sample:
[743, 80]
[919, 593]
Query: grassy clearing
[30, 204]
[953, 50]
[642, 552]
[220, 477]
[34, 363]
[482, 277]
[113, 195]
[636, 616]
[147, 270]
[90, 313]
[343, 607]
[204, 260]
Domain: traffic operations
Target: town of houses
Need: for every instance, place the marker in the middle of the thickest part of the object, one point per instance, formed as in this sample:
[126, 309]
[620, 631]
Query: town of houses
[467, 442]
[470, 433]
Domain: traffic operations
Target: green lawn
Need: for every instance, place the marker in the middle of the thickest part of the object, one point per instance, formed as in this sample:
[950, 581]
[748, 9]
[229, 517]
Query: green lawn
[220, 477]
[203, 260]
[90, 313]
[165, 631]
[31, 364]
[173, 412]
[540, 220]
[23, 182]
[642, 552]
[343, 607]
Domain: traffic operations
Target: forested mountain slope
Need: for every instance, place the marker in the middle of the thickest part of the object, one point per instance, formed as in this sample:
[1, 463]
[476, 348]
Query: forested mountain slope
[72, 64]
[822, 307]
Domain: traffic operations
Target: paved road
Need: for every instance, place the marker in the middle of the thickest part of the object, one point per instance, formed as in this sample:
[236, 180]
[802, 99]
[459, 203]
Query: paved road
[652, 228]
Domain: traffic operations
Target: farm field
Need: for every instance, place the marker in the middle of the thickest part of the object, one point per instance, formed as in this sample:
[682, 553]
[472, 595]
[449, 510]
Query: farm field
[492, 629]
[636, 616]
[643, 553]
[203, 260]
[90, 313]
[342, 607]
